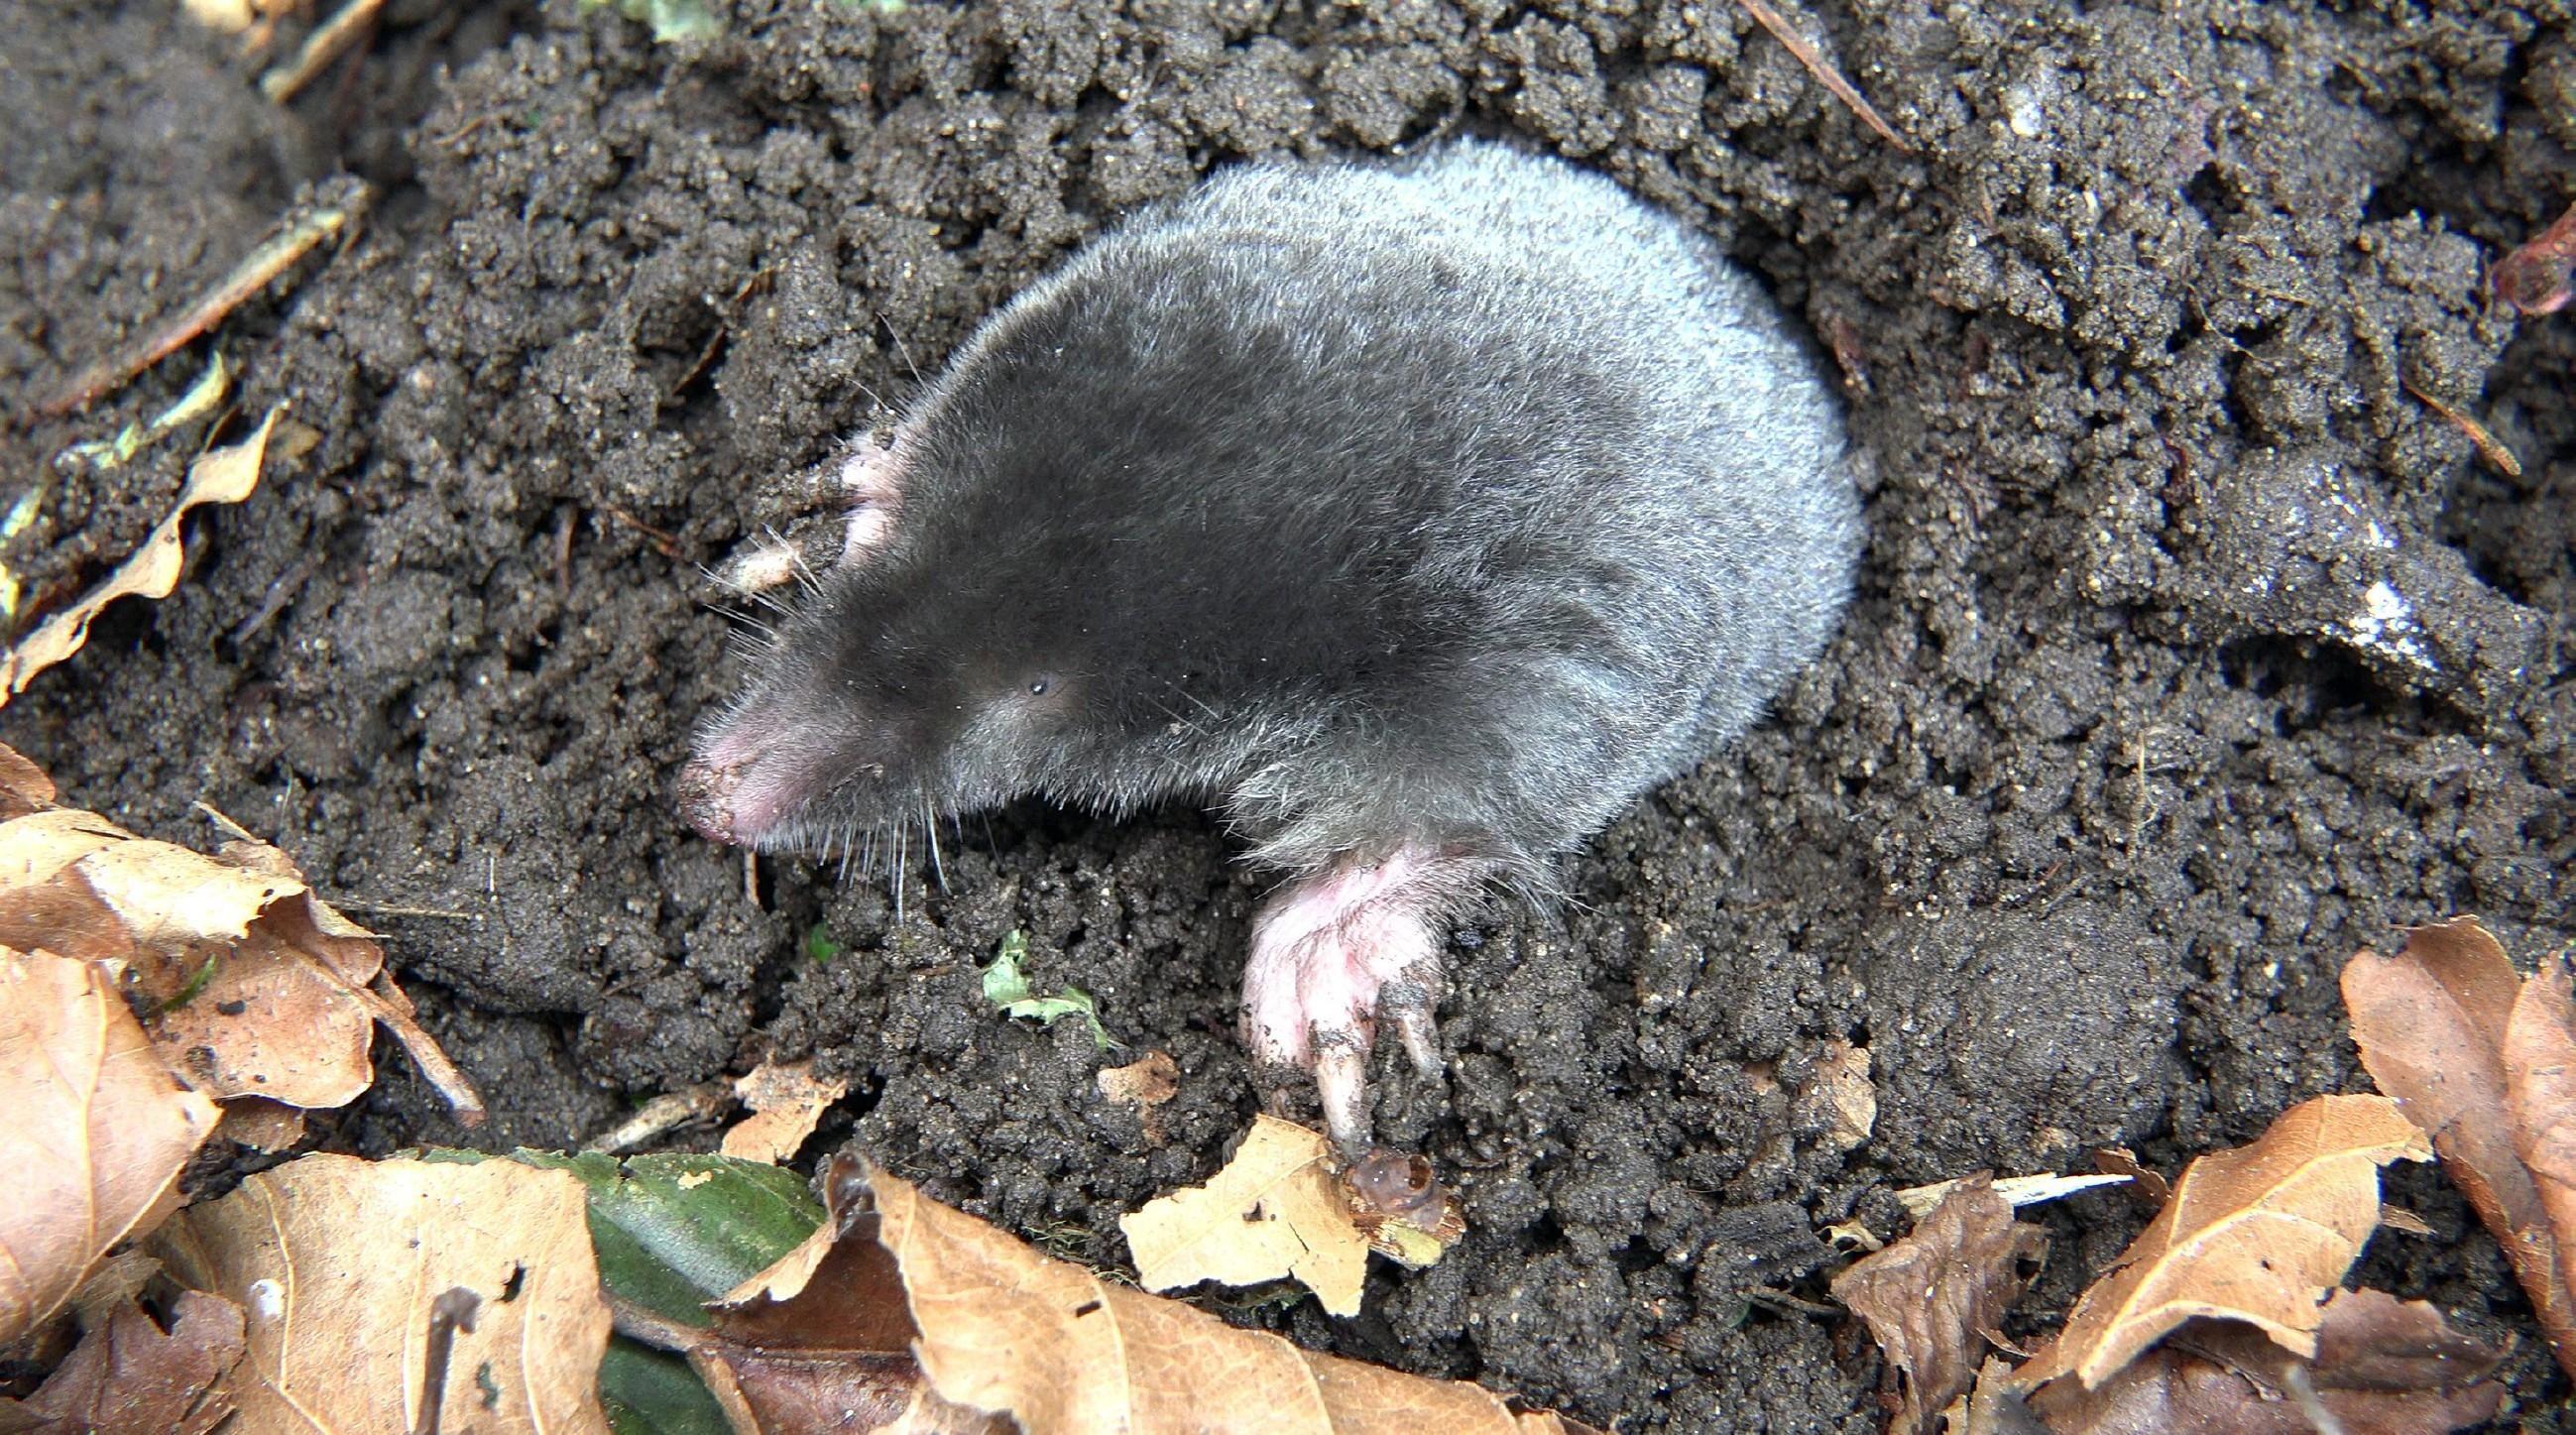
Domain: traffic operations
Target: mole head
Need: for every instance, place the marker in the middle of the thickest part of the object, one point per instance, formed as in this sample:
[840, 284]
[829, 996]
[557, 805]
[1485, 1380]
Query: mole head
[891, 695]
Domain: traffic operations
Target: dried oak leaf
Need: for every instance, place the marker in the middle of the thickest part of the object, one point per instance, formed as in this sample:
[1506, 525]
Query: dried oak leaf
[2383, 1367]
[2540, 1091]
[130, 1374]
[899, 1314]
[1273, 1213]
[337, 1260]
[822, 1340]
[96, 1136]
[786, 1099]
[224, 475]
[1144, 1084]
[1850, 1101]
[2431, 1023]
[24, 788]
[2257, 1234]
[257, 987]
[1931, 1298]
[1007, 1330]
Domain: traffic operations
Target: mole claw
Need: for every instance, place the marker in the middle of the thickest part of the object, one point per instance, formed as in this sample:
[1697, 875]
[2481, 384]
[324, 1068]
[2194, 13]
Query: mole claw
[1341, 1080]
[1411, 1017]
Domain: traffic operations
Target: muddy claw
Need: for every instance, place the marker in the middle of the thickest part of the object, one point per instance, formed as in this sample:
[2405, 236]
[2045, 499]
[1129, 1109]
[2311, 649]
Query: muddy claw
[1336, 953]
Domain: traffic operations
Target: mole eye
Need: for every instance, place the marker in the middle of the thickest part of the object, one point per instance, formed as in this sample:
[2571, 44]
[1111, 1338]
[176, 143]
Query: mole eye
[1038, 689]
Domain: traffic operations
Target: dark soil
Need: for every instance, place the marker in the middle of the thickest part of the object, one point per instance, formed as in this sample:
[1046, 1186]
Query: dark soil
[2192, 653]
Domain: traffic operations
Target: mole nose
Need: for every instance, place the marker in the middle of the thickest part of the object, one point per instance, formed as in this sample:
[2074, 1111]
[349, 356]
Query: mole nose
[706, 798]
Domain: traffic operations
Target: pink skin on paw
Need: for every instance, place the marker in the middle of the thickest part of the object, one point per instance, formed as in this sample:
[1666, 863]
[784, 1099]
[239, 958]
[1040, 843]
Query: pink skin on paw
[1327, 949]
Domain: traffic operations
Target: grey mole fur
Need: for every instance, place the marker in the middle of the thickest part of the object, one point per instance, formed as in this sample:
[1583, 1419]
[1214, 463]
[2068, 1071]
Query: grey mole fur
[1449, 504]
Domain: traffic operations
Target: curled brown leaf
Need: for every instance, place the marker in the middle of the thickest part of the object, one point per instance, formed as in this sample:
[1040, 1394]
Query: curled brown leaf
[129, 1373]
[339, 1262]
[2540, 1091]
[2383, 1367]
[2258, 1234]
[97, 1131]
[1931, 1298]
[2432, 1023]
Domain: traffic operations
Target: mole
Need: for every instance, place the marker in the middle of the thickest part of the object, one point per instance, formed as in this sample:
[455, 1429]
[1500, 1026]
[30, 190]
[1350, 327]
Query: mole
[1418, 516]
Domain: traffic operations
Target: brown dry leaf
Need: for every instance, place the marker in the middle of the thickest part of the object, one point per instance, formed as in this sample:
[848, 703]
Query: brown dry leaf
[2148, 1183]
[2383, 1367]
[257, 986]
[1992, 1406]
[822, 1340]
[1064, 1352]
[1842, 1079]
[1145, 1084]
[1931, 1297]
[1272, 1213]
[337, 1261]
[130, 1374]
[2540, 1091]
[262, 1124]
[900, 1314]
[24, 788]
[2257, 1234]
[225, 475]
[2431, 1024]
[786, 1099]
[96, 1136]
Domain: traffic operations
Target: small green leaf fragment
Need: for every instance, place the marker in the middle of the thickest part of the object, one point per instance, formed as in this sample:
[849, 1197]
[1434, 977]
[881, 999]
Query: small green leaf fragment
[670, 19]
[196, 983]
[1007, 987]
[202, 398]
[653, 1392]
[22, 513]
[819, 947]
[1004, 982]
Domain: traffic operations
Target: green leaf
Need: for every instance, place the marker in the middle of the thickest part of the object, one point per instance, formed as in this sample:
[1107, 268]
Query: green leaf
[670, 19]
[653, 1392]
[819, 947]
[1004, 982]
[675, 1231]
[1007, 987]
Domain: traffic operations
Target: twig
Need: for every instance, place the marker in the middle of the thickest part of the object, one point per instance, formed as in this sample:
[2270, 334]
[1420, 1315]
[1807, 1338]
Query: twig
[2491, 447]
[320, 49]
[388, 1004]
[280, 593]
[662, 1113]
[1818, 66]
[390, 909]
[247, 278]
[646, 1326]
[663, 543]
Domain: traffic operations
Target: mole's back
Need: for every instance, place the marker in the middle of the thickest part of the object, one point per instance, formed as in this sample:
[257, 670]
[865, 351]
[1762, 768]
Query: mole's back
[1507, 467]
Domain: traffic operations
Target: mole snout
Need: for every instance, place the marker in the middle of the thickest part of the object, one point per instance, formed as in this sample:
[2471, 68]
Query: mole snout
[746, 784]
[1418, 516]
[706, 799]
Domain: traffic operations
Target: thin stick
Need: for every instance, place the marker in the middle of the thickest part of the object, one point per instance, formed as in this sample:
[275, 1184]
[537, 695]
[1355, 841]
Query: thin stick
[2487, 443]
[1818, 66]
[320, 49]
[247, 278]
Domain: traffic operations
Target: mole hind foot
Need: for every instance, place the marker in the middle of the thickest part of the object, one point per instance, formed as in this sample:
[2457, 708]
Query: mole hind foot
[1339, 951]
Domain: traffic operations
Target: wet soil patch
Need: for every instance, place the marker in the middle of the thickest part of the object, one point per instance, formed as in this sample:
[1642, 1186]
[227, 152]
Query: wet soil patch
[2193, 650]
